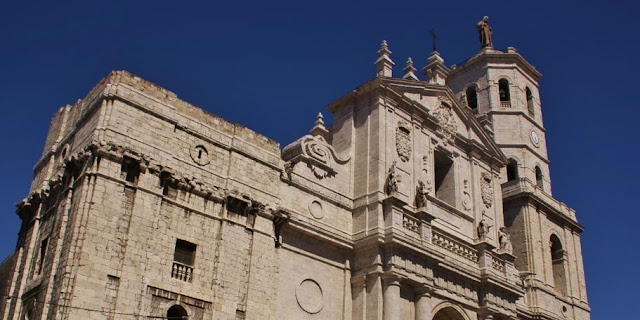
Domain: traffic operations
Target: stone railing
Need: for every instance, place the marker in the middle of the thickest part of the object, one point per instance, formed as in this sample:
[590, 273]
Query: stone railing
[455, 246]
[182, 272]
[505, 104]
[497, 264]
[410, 223]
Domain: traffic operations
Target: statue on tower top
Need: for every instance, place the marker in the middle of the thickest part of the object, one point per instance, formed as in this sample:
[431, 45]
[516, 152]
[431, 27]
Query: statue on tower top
[484, 30]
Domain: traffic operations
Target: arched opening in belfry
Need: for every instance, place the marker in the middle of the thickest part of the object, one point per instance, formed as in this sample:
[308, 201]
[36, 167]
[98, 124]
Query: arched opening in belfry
[539, 177]
[503, 90]
[557, 265]
[512, 170]
[529, 101]
[448, 313]
[472, 98]
[177, 312]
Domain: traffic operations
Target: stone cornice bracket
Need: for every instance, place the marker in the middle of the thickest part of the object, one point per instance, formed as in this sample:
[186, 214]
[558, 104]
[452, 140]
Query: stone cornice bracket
[435, 70]
[384, 64]
[280, 217]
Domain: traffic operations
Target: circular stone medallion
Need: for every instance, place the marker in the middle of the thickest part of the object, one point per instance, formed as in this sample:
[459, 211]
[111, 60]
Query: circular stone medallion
[200, 155]
[309, 296]
[535, 139]
[315, 208]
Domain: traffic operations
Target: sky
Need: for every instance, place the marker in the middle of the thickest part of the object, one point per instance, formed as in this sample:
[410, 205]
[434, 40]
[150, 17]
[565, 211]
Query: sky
[272, 66]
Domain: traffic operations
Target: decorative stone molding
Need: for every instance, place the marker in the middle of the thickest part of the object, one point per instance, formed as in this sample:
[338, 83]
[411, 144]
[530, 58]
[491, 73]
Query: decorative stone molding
[403, 140]
[446, 119]
[309, 296]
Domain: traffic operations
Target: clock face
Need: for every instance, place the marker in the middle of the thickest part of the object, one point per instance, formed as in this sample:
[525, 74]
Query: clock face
[535, 139]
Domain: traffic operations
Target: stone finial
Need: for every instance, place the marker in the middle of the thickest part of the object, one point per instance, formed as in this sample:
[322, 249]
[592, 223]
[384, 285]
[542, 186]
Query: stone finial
[318, 128]
[435, 71]
[384, 65]
[409, 70]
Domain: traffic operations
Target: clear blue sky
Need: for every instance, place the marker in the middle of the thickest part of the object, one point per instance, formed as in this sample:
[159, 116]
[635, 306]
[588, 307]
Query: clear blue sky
[272, 66]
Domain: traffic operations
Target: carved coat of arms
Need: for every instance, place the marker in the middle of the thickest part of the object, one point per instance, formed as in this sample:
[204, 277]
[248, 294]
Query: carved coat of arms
[403, 141]
[446, 119]
[486, 189]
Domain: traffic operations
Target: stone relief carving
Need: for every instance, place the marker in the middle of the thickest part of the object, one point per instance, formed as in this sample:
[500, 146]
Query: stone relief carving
[483, 229]
[486, 189]
[466, 195]
[403, 140]
[446, 118]
[392, 181]
[425, 169]
[421, 194]
[504, 241]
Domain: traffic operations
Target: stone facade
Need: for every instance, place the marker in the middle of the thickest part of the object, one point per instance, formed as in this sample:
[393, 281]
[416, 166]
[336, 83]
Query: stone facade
[423, 200]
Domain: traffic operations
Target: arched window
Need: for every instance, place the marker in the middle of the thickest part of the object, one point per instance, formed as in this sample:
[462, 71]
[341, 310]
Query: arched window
[177, 312]
[512, 170]
[539, 177]
[472, 98]
[529, 101]
[503, 90]
[557, 265]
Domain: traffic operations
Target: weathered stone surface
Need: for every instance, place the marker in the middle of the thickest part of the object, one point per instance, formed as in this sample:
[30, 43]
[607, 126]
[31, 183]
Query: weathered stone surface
[143, 204]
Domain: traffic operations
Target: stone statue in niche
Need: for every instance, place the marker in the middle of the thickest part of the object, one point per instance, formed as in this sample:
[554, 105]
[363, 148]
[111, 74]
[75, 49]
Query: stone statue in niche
[483, 229]
[421, 194]
[403, 141]
[392, 181]
[486, 189]
[466, 195]
[504, 241]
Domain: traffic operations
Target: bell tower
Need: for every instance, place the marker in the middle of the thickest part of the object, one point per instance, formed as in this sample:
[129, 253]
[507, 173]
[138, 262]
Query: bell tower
[502, 90]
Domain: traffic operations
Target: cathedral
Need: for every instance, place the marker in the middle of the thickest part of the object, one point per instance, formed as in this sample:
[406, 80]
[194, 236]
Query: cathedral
[427, 197]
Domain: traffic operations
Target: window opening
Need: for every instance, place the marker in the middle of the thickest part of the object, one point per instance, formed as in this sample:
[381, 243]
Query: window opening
[472, 98]
[512, 170]
[557, 265]
[529, 101]
[444, 178]
[539, 177]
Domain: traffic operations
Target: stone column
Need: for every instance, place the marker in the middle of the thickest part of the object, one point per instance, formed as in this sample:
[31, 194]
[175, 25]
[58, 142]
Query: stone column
[423, 305]
[391, 305]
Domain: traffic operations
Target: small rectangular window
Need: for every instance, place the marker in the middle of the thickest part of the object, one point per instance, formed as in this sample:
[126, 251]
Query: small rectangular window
[185, 252]
[130, 170]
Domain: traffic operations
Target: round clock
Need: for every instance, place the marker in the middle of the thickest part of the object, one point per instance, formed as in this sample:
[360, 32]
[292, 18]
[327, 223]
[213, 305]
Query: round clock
[535, 139]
